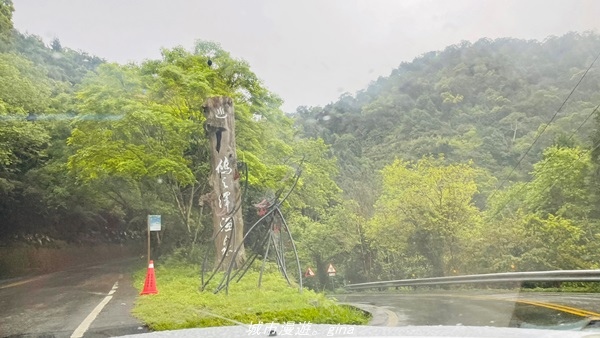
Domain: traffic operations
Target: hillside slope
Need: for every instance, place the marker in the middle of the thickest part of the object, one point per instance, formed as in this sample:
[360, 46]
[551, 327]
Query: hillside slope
[484, 101]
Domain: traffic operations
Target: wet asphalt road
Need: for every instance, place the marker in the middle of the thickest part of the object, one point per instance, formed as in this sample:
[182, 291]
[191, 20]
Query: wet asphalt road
[56, 304]
[484, 308]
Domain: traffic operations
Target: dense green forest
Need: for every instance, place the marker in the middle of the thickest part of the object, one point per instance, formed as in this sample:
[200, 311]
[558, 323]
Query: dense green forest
[458, 162]
[89, 148]
[423, 173]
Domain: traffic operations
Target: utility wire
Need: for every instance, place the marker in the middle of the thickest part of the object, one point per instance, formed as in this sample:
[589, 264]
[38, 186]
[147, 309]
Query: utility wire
[544, 128]
[581, 156]
[546, 162]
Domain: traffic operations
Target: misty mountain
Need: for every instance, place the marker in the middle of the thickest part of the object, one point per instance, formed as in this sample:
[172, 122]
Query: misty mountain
[484, 101]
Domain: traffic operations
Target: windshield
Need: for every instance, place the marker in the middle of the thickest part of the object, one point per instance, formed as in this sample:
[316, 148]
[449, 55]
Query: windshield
[282, 165]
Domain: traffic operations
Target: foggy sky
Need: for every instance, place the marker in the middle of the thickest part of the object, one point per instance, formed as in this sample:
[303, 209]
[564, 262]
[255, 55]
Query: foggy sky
[308, 52]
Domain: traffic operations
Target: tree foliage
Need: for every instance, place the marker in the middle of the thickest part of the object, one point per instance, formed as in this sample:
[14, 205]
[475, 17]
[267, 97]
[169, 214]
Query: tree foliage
[481, 106]
[400, 180]
[6, 26]
[425, 211]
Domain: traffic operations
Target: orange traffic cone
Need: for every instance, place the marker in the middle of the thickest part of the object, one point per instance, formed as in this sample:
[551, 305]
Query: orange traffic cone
[150, 283]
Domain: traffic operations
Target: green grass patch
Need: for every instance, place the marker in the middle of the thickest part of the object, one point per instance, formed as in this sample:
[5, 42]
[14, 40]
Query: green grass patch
[179, 303]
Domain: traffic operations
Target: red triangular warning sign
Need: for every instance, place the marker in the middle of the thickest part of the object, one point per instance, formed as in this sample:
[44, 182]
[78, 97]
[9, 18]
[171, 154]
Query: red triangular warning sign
[309, 273]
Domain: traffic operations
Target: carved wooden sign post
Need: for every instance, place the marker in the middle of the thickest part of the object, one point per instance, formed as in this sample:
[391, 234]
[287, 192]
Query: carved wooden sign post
[225, 201]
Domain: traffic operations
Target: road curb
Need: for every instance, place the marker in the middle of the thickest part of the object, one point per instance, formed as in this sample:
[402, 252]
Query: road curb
[380, 316]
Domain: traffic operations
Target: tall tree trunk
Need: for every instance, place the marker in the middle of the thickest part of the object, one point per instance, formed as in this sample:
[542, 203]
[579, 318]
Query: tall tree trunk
[322, 275]
[228, 223]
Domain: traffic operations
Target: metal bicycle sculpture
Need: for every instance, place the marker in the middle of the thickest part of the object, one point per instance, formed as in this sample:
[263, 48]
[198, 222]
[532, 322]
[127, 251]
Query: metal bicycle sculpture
[277, 226]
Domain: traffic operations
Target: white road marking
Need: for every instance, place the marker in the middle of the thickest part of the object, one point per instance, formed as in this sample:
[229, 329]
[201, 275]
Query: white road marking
[85, 325]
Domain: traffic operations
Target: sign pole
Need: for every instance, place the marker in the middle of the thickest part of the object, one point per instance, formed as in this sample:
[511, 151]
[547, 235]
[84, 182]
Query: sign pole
[331, 272]
[154, 224]
[148, 243]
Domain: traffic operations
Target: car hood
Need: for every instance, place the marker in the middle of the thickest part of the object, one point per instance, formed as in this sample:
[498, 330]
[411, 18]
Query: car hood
[325, 330]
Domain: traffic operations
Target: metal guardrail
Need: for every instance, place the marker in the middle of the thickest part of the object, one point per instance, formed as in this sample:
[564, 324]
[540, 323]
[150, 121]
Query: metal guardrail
[535, 276]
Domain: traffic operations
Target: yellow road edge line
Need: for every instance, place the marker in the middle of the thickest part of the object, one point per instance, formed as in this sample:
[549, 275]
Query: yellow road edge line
[591, 313]
[582, 312]
[551, 306]
[21, 282]
[558, 307]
